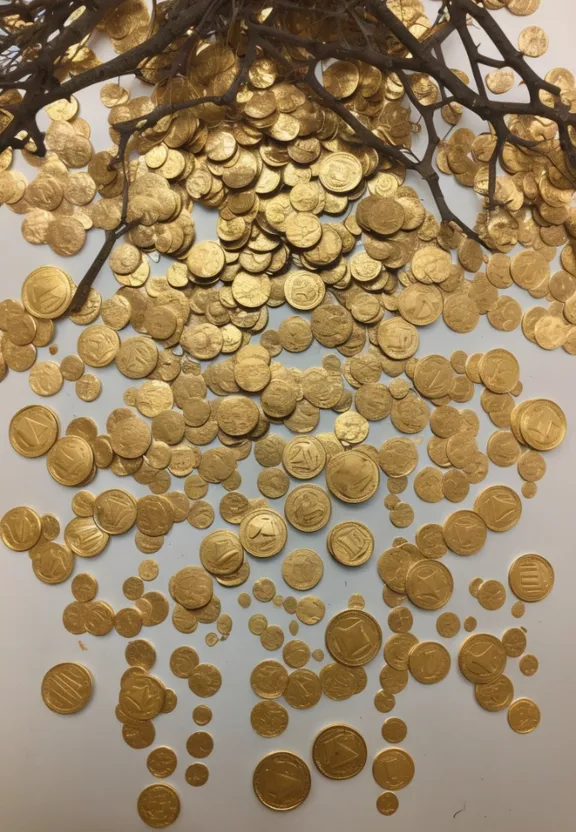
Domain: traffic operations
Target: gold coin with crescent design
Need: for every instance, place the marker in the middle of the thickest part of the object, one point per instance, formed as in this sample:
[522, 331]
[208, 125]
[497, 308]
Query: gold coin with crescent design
[353, 637]
[339, 752]
[67, 688]
[282, 781]
[263, 533]
[159, 805]
[482, 658]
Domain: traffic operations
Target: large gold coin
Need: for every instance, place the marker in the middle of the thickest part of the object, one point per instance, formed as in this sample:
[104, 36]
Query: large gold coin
[352, 476]
[429, 584]
[192, 587]
[304, 457]
[159, 805]
[339, 752]
[393, 768]
[353, 637]
[33, 430]
[302, 569]
[464, 532]
[67, 688]
[542, 424]
[115, 511]
[482, 658]
[308, 508]
[531, 577]
[47, 292]
[20, 528]
[282, 781]
[70, 460]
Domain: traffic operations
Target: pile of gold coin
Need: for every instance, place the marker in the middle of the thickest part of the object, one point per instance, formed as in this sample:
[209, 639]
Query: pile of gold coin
[207, 388]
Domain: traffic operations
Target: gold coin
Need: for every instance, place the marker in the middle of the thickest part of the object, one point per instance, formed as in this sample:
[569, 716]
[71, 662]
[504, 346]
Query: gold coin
[302, 569]
[84, 537]
[429, 584]
[491, 595]
[67, 688]
[310, 609]
[394, 730]
[162, 761]
[352, 476]
[52, 563]
[482, 658]
[531, 578]
[199, 744]
[192, 587]
[20, 528]
[339, 752]
[394, 676]
[514, 641]
[464, 532]
[282, 781]
[308, 508]
[196, 774]
[115, 511]
[304, 457]
[159, 805]
[384, 702]
[393, 769]
[338, 681]
[429, 662]
[183, 661]
[139, 735]
[70, 460]
[303, 689]
[448, 624]
[33, 431]
[47, 292]
[499, 370]
[387, 803]
[205, 680]
[353, 637]
[542, 424]
[528, 664]
[499, 506]
[84, 587]
[495, 696]
[272, 638]
[269, 719]
[350, 543]
[523, 716]
[140, 653]
[470, 623]
[269, 679]
[202, 715]
[221, 553]
[400, 620]
[263, 533]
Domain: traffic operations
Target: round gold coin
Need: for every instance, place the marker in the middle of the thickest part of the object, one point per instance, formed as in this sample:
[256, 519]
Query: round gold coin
[523, 716]
[159, 805]
[393, 769]
[281, 781]
[350, 543]
[20, 528]
[339, 752]
[33, 431]
[429, 662]
[495, 696]
[531, 578]
[482, 658]
[269, 718]
[429, 584]
[352, 476]
[67, 688]
[353, 637]
[302, 569]
[263, 533]
[162, 761]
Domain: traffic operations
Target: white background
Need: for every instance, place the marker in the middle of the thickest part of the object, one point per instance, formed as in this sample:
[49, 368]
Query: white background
[61, 774]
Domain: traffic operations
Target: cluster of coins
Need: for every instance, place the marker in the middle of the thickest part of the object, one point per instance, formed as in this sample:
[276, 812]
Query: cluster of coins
[272, 168]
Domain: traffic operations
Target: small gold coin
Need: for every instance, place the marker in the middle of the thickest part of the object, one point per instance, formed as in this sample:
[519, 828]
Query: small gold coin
[162, 761]
[448, 624]
[482, 658]
[202, 715]
[282, 781]
[196, 774]
[200, 744]
[205, 680]
[531, 578]
[159, 805]
[393, 768]
[339, 752]
[67, 688]
[523, 716]
[491, 595]
[387, 803]
[353, 637]
[528, 664]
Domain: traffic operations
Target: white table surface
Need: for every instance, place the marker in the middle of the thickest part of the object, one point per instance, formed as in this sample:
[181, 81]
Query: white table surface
[62, 774]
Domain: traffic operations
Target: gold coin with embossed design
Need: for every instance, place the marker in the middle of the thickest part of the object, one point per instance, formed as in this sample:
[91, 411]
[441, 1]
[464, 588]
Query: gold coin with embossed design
[353, 637]
[339, 752]
[159, 805]
[282, 781]
[67, 688]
